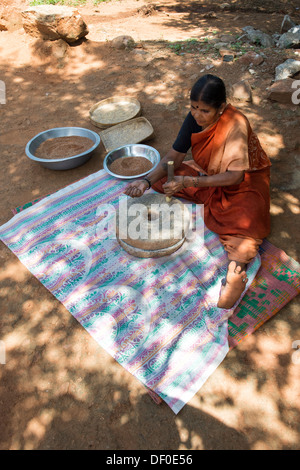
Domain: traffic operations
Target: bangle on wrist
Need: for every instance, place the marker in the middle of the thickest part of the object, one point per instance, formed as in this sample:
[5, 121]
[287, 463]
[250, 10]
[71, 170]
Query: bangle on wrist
[148, 181]
[183, 182]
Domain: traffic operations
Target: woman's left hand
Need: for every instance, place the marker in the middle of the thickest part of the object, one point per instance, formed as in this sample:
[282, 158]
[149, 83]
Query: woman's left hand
[173, 186]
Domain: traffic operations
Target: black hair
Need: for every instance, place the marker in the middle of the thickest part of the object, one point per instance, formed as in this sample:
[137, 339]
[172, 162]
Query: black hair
[209, 89]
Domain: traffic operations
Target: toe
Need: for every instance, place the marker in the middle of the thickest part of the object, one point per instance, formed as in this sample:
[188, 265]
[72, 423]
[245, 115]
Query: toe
[238, 270]
[232, 267]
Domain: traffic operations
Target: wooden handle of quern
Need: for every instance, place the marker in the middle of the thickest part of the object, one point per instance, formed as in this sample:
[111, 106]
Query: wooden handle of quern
[170, 176]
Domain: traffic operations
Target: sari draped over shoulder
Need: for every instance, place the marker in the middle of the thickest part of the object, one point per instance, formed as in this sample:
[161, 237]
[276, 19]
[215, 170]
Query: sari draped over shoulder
[240, 213]
[229, 144]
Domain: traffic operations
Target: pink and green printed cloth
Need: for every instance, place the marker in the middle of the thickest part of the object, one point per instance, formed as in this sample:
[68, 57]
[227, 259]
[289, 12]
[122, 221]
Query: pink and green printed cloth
[157, 317]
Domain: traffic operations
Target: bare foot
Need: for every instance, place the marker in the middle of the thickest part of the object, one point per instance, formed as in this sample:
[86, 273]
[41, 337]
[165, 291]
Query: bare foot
[236, 279]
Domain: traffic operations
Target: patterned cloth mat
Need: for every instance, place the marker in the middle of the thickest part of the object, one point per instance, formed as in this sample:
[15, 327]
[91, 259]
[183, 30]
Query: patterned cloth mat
[157, 317]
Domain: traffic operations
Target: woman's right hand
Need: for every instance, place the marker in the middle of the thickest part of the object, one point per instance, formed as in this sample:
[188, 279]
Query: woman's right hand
[136, 188]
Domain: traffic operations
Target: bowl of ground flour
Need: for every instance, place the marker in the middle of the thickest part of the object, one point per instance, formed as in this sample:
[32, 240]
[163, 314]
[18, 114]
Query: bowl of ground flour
[62, 148]
[131, 161]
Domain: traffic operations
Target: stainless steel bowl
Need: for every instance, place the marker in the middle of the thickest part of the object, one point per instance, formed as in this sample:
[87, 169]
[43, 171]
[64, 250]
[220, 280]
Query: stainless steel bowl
[132, 150]
[62, 163]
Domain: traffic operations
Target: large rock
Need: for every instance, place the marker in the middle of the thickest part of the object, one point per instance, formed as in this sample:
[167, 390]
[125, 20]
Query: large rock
[287, 24]
[54, 22]
[255, 36]
[283, 91]
[241, 91]
[290, 39]
[251, 58]
[122, 42]
[287, 69]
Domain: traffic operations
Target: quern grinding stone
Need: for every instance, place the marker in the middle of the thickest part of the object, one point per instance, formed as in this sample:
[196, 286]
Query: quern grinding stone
[151, 227]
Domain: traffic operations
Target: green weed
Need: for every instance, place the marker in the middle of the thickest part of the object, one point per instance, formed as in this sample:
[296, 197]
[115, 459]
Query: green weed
[189, 45]
[45, 2]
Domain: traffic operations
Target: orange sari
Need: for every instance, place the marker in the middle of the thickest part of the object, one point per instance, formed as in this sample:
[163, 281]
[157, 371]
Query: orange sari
[238, 213]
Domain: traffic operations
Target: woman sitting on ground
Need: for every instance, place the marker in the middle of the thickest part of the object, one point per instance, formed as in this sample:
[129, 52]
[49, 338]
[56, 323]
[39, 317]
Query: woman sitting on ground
[229, 175]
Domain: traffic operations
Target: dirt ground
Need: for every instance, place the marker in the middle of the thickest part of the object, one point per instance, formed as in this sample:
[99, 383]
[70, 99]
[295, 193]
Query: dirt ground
[59, 389]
